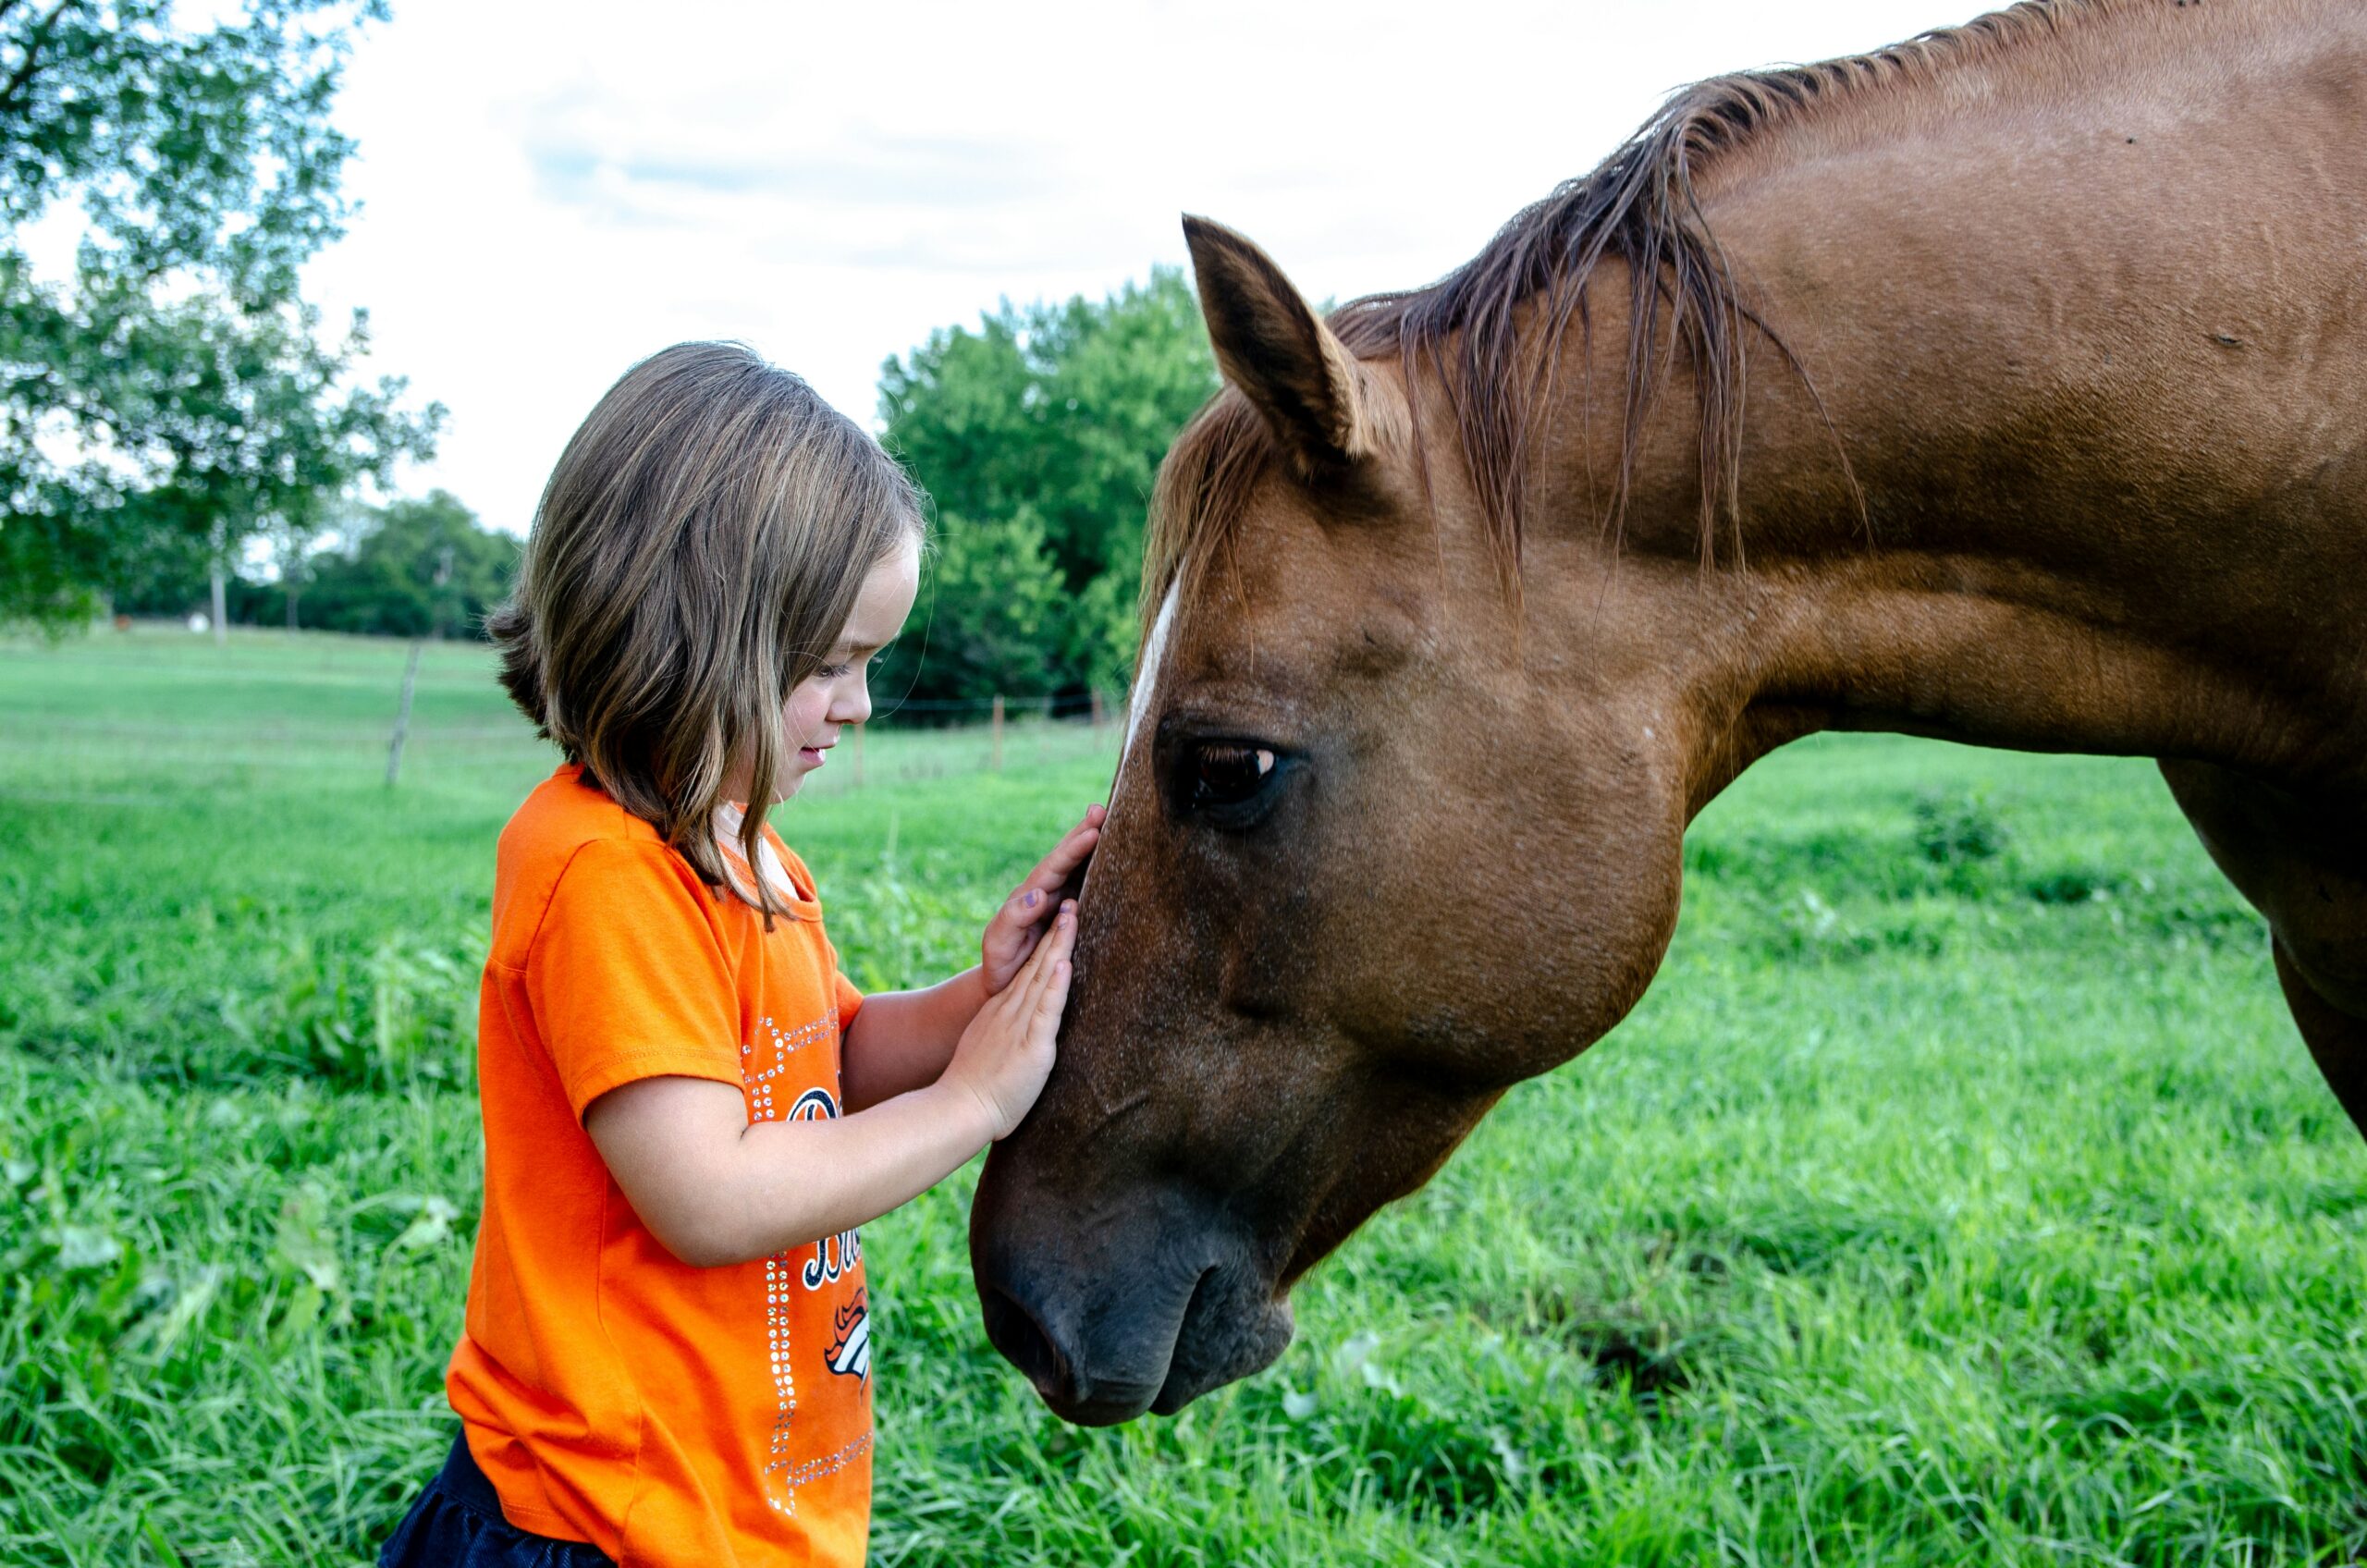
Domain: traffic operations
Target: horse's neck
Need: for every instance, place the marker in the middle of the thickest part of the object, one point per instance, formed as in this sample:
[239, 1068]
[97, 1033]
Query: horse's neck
[2099, 368]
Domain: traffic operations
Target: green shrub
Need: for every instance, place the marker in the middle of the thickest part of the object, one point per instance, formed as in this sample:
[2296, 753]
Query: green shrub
[404, 1012]
[1958, 829]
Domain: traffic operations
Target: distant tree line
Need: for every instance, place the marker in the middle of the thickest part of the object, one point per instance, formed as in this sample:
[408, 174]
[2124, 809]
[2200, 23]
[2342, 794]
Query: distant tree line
[409, 569]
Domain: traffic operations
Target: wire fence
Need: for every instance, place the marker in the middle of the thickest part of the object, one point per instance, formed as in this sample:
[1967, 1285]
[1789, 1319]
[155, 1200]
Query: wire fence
[104, 712]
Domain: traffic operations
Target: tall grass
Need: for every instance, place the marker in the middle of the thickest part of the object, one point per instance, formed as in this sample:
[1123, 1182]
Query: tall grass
[1960, 1194]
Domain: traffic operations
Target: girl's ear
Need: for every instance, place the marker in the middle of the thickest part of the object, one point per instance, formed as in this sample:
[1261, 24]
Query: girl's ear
[1270, 344]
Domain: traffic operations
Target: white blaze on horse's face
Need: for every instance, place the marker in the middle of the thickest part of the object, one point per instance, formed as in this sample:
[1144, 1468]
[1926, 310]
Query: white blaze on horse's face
[1146, 678]
[1140, 700]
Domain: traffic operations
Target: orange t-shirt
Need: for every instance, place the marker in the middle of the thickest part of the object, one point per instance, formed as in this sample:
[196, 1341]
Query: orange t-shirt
[706, 1417]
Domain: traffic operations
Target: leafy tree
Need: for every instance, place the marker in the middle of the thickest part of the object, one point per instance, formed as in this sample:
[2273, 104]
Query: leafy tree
[411, 569]
[175, 393]
[1058, 414]
[989, 619]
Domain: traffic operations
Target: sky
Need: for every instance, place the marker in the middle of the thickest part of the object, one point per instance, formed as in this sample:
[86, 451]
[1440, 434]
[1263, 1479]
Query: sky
[549, 193]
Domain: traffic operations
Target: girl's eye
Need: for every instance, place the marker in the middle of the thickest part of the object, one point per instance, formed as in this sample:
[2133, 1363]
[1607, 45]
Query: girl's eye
[833, 672]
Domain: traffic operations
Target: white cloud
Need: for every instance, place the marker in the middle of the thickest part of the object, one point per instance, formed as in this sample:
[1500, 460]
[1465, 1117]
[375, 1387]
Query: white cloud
[551, 194]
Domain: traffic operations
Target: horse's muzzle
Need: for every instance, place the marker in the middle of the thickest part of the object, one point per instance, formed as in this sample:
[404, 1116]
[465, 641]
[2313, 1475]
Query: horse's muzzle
[1117, 1309]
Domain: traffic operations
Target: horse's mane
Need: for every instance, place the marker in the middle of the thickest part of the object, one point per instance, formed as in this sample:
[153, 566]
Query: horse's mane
[1640, 206]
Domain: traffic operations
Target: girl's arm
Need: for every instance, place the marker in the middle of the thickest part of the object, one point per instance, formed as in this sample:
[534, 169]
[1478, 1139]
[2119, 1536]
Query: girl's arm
[715, 1188]
[899, 1041]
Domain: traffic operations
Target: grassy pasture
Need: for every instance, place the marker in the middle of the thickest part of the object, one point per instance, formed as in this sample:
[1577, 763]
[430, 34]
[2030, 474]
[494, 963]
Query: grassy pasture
[1960, 1194]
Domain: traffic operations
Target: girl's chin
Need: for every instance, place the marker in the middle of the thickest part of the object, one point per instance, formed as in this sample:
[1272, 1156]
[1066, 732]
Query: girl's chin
[793, 776]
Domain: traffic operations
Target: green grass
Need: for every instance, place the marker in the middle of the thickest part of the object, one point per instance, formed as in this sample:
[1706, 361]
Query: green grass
[1960, 1193]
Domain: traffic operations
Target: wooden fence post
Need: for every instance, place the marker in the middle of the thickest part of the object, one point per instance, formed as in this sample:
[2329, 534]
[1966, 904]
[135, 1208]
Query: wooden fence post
[402, 715]
[858, 753]
[410, 671]
[996, 762]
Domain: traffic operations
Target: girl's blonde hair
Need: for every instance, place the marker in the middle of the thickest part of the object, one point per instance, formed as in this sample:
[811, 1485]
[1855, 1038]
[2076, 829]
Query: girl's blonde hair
[697, 554]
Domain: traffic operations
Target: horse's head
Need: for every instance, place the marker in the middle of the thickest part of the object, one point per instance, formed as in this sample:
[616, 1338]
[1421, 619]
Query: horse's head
[1383, 842]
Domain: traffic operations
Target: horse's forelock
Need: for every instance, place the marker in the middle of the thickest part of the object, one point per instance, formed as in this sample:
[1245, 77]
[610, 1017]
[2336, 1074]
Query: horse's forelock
[1203, 489]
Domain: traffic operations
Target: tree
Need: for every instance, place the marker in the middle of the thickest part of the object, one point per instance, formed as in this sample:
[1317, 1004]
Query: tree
[173, 394]
[989, 620]
[1057, 414]
[411, 569]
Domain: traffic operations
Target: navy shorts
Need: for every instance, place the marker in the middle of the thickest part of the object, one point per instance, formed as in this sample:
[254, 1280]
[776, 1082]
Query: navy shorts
[456, 1522]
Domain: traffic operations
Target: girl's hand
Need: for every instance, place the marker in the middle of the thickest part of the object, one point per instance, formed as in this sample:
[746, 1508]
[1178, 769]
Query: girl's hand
[1016, 928]
[1004, 1056]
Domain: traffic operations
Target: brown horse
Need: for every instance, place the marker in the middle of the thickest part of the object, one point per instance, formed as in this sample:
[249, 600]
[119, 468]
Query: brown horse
[2054, 332]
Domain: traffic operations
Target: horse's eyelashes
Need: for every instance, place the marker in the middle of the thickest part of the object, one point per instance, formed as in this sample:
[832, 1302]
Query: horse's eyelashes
[1224, 776]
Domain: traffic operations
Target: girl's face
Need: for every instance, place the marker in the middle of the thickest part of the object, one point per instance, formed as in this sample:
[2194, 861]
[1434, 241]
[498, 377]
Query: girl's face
[837, 694]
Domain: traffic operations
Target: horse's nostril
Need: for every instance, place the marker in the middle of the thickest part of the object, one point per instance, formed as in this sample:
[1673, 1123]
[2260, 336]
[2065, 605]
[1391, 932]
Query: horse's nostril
[1014, 1332]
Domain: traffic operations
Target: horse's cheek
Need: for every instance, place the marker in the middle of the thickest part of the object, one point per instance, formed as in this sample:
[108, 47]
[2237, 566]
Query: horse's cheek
[1517, 971]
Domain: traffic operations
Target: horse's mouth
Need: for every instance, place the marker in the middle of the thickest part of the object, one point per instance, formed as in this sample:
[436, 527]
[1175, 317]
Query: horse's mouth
[1071, 1394]
[1128, 1356]
[1223, 1337]
[1177, 1388]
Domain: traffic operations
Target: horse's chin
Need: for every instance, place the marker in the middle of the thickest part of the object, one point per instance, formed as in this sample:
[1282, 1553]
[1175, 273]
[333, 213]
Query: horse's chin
[1223, 1342]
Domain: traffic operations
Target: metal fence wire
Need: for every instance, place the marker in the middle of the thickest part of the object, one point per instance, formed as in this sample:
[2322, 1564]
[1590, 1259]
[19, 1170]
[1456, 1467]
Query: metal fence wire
[101, 711]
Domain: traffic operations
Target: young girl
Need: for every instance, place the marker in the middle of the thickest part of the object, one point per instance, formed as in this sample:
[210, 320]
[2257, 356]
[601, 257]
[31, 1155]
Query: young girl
[688, 1110]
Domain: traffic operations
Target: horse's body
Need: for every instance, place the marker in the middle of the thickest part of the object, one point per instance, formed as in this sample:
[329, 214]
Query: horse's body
[2053, 336]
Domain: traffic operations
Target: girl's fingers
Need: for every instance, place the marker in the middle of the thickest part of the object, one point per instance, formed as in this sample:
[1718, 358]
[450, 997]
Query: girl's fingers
[1030, 1004]
[1044, 1023]
[1054, 996]
[1014, 930]
[1051, 999]
[1018, 920]
[1018, 992]
[1023, 912]
[1062, 939]
[1029, 904]
[1068, 853]
[1048, 953]
[1030, 979]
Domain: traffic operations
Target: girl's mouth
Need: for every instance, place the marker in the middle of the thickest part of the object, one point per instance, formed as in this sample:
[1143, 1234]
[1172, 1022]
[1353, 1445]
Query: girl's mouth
[811, 755]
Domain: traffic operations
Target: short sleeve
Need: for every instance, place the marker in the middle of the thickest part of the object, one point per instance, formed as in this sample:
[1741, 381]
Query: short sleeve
[626, 977]
[842, 990]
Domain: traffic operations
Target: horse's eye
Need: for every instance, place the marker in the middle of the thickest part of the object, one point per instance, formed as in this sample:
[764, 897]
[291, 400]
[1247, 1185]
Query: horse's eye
[1229, 773]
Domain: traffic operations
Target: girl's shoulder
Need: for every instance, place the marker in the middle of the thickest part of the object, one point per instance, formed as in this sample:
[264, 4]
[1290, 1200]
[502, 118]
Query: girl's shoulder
[561, 815]
[569, 830]
[567, 809]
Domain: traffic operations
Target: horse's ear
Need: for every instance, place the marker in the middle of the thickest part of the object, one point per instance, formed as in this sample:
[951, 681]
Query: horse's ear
[1271, 343]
